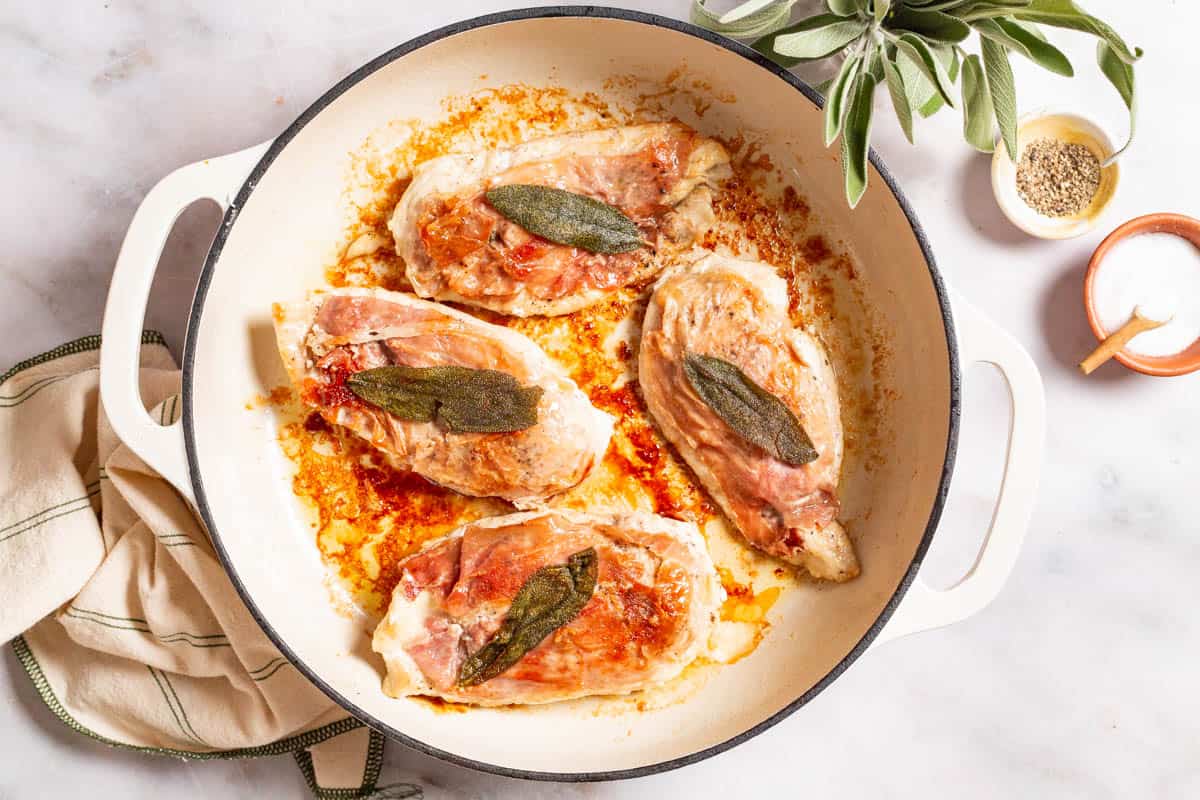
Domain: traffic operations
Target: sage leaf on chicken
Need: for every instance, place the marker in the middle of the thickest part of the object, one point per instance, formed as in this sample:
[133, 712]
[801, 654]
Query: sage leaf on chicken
[548, 600]
[567, 218]
[461, 399]
[751, 411]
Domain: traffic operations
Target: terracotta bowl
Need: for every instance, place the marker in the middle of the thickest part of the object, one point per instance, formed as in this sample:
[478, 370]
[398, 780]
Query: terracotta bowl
[1180, 363]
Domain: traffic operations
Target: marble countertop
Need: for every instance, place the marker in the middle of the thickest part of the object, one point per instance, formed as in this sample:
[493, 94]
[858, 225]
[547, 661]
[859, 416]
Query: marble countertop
[1078, 681]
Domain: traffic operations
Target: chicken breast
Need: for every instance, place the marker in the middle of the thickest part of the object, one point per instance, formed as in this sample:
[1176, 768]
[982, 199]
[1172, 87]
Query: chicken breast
[328, 337]
[737, 311]
[456, 246]
[651, 613]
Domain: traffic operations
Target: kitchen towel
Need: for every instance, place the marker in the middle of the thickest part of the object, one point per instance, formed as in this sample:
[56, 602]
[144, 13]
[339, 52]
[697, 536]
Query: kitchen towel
[117, 606]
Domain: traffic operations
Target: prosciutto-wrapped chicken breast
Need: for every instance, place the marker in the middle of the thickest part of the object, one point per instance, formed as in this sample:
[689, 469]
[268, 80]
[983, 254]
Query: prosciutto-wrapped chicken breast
[457, 246]
[327, 340]
[542, 606]
[726, 321]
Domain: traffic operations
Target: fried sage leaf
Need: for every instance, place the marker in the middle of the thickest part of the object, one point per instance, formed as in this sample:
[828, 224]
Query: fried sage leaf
[567, 218]
[549, 599]
[754, 413]
[460, 399]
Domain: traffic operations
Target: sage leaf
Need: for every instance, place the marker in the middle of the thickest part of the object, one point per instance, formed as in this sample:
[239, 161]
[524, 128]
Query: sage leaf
[1030, 28]
[752, 412]
[998, 73]
[567, 218]
[899, 94]
[548, 600]
[756, 23]
[919, 89]
[874, 63]
[881, 9]
[843, 8]
[744, 10]
[948, 55]
[933, 102]
[835, 105]
[938, 5]
[1026, 42]
[766, 45]
[933, 25]
[917, 51]
[856, 140]
[1065, 14]
[979, 120]
[820, 42]
[460, 399]
[987, 9]
[1120, 75]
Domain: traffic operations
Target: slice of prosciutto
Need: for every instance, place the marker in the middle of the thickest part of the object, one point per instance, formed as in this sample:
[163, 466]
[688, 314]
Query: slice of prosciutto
[330, 336]
[653, 608]
[737, 311]
[456, 246]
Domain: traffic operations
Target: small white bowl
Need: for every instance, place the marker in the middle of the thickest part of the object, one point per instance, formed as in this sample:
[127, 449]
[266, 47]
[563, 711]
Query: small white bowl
[1065, 127]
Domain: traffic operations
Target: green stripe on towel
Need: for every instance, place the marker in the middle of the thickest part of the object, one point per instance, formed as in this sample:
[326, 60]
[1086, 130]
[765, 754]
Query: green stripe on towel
[174, 713]
[39, 519]
[141, 626]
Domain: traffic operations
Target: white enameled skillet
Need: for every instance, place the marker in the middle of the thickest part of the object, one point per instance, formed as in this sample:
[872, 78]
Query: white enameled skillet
[281, 213]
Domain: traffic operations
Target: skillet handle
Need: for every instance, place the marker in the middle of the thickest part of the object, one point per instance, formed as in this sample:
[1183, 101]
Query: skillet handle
[923, 608]
[216, 179]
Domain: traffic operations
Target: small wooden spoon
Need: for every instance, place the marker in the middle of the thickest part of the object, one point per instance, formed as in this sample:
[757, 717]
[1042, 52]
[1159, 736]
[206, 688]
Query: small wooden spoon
[1109, 347]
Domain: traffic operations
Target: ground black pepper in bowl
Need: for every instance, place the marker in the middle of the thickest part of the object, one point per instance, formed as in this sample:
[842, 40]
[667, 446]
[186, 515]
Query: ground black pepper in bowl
[1057, 179]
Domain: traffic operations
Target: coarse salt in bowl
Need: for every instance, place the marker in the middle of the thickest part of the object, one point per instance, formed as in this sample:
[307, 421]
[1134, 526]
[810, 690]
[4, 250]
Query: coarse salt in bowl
[1151, 263]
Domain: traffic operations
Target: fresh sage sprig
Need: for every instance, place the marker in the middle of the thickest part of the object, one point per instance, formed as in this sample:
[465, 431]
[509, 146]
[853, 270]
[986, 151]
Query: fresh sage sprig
[460, 399]
[549, 599]
[568, 218]
[751, 411]
[915, 48]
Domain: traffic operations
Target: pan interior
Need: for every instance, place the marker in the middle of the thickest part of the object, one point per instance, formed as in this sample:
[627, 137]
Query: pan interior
[280, 247]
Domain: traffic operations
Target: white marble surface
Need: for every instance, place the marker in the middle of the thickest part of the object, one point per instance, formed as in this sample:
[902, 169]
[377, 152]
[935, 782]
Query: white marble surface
[1079, 681]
